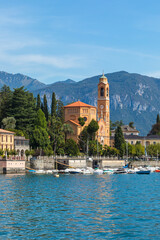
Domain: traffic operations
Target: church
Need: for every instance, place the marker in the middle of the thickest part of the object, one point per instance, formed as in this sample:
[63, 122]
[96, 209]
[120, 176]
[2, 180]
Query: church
[101, 114]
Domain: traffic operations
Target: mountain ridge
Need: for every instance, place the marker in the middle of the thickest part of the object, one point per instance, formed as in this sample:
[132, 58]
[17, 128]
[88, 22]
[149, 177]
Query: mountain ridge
[133, 97]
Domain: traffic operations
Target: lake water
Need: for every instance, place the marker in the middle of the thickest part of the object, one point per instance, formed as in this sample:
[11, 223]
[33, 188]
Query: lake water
[80, 207]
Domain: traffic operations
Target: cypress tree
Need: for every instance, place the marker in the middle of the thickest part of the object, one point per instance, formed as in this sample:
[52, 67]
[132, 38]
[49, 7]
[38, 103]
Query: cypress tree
[38, 102]
[53, 105]
[158, 119]
[119, 140]
[45, 106]
[60, 110]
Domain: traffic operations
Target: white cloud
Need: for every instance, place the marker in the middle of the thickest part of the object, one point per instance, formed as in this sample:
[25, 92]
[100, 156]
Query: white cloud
[154, 74]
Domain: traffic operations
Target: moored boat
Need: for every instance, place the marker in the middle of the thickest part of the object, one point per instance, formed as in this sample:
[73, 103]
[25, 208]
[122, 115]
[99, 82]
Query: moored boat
[143, 171]
[120, 171]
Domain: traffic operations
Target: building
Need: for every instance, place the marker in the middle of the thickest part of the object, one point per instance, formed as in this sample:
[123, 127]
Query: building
[102, 114]
[103, 111]
[143, 140]
[75, 110]
[6, 140]
[127, 130]
[21, 145]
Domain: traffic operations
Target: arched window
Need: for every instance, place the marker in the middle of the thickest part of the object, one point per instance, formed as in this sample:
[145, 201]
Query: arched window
[102, 92]
[107, 92]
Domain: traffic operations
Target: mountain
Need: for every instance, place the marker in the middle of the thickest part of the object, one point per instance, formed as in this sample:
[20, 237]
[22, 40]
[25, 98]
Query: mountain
[18, 80]
[133, 97]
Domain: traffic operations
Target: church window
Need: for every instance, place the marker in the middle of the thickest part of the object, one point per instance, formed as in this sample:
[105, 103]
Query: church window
[102, 92]
[107, 92]
[85, 110]
[85, 119]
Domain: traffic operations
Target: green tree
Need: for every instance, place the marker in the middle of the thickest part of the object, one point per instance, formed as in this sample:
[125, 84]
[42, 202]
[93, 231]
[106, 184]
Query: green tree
[56, 134]
[9, 123]
[92, 129]
[40, 120]
[39, 138]
[82, 140]
[53, 105]
[60, 110]
[158, 119]
[67, 129]
[23, 109]
[119, 141]
[155, 129]
[45, 106]
[114, 125]
[81, 121]
[139, 150]
[5, 102]
[95, 148]
[38, 102]
[1, 152]
[27, 153]
[48, 151]
[131, 124]
[109, 151]
[71, 148]
[153, 150]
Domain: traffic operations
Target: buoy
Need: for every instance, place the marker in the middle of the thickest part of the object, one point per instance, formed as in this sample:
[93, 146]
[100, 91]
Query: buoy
[56, 175]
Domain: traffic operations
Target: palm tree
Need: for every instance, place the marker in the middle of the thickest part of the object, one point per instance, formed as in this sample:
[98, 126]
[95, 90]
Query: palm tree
[67, 129]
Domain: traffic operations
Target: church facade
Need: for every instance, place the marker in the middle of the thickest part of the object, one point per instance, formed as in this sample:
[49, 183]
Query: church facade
[101, 114]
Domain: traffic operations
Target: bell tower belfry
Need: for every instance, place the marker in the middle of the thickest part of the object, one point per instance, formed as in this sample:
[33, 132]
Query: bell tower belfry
[103, 111]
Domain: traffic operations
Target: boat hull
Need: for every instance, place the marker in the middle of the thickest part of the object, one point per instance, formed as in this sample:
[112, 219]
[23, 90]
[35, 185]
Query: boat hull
[143, 172]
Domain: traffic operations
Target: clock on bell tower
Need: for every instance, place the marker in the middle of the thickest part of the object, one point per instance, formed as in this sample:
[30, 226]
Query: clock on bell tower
[103, 107]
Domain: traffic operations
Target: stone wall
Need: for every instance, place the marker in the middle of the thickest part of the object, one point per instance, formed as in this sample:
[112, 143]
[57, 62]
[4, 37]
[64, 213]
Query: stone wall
[77, 163]
[113, 163]
[12, 166]
[40, 163]
[145, 163]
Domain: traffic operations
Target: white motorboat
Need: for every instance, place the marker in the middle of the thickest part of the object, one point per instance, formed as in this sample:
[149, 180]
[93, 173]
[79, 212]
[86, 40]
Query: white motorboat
[98, 171]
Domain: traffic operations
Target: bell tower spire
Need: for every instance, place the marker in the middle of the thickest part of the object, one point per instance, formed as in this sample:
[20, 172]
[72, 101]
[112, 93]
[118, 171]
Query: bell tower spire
[103, 105]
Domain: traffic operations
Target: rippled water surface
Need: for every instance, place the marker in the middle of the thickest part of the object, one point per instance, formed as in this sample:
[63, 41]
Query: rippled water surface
[80, 207]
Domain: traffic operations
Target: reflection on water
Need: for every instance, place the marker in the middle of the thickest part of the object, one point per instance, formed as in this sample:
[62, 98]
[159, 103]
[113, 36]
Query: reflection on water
[79, 207]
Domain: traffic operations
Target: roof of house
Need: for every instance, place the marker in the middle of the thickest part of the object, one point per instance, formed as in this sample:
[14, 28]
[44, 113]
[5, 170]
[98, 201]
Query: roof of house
[127, 128]
[5, 131]
[79, 104]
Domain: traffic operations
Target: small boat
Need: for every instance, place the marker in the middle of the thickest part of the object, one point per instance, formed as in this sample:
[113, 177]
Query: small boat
[131, 171]
[73, 170]
[98, 171]
[108, 171]
[143, 171]
[32, 171]
[120, 171]
[157, 170]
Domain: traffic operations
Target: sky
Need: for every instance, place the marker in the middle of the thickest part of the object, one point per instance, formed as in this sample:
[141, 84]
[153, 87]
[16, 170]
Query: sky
[54, 40]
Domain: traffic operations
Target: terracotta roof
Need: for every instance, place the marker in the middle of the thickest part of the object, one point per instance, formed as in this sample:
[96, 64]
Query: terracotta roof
[5, 131]
[74, 122]
[79, 104]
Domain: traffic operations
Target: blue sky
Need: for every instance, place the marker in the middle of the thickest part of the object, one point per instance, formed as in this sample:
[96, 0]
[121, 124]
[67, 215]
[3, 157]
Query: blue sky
[53, 40]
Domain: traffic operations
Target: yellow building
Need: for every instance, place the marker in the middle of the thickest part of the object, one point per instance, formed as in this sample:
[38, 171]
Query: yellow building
[102, 114]
[75, 110]
[6, 140]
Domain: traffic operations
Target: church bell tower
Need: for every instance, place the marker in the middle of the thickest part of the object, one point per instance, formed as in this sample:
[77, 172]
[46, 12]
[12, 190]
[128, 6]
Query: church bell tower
[103, 107]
